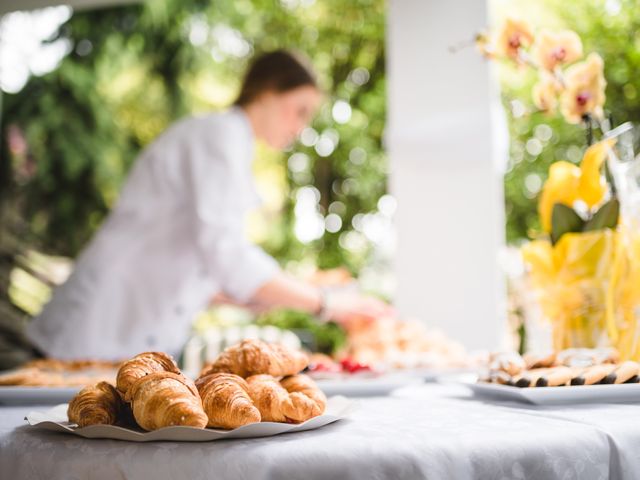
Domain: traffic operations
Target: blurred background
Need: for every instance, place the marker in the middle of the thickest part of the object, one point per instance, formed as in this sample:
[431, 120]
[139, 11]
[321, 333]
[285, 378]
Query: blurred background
[84, 91]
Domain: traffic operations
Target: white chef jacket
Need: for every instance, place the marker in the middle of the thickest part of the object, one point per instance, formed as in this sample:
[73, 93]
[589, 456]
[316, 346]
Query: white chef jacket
[174, 239]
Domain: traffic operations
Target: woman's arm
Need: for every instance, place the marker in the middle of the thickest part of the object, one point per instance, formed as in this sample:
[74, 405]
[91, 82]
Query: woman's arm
[286, 291]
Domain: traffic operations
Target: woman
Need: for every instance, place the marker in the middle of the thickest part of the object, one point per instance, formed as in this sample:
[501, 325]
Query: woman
[175, 238]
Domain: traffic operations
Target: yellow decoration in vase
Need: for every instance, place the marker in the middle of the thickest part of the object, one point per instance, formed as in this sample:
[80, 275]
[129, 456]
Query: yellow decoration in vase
[588, 279]
[588, 286]
[560, 187]
[592, 186]
[568, 183]
[588, 283]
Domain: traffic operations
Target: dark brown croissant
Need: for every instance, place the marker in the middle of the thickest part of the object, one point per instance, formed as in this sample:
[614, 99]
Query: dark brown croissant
[255, 357]
[163, 399]
[141, 365]
[226, 401]
[98, 404]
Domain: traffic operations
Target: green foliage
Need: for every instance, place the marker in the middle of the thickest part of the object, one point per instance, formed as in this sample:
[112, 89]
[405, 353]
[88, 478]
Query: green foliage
[135, 69]
[606, 217]
[564, 220]
[537, 140]
[325, 337]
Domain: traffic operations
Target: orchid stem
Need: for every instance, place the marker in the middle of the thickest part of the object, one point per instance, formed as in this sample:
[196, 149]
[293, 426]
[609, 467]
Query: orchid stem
[589, 124]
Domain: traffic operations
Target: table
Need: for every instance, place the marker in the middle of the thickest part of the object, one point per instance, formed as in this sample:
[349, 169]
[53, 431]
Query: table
[429, 431]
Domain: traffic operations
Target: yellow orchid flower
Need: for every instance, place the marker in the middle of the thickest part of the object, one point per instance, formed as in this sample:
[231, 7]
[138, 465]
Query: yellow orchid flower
[592, 186]
[552, 49]
[560, 187]
[513, 35]
[584, 92]
[545, 92]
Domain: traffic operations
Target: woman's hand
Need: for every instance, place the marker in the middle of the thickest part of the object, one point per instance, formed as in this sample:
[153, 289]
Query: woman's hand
[346, 307]
[354, 310]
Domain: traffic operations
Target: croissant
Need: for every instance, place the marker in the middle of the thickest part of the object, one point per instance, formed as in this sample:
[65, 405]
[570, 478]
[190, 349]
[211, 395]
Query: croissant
[98, 404]
[141, 365]
[255, 357]
[303, 385]
[277, 404]
[226, 401]
[163, 399]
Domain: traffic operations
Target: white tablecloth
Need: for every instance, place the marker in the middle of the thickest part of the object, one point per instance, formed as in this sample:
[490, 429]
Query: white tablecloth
[431, 431]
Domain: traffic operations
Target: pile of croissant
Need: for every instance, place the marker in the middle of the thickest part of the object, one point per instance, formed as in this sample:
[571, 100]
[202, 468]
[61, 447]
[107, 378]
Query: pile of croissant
[250, 382]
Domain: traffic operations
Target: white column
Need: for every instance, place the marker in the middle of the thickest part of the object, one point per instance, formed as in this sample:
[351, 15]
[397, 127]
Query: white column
[447, 144]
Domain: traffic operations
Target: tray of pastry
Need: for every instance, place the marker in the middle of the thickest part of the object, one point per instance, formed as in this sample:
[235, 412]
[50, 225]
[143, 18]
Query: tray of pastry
[253, 389]
[52, 381]
[355, 379]
[356, 386]
[570, 376]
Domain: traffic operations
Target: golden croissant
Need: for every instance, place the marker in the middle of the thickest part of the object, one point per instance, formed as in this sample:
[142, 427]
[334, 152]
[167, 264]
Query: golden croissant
[277, 404]
[255, 357]
[98, 404]
[163, 399]
[303, 386]
[226, 401]
[141, 365]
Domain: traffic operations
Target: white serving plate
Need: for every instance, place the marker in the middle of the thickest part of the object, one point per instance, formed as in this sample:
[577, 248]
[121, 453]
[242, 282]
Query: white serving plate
[436, 374]
[56, 419]
[623, 393]
[17, 395]
[366, 386]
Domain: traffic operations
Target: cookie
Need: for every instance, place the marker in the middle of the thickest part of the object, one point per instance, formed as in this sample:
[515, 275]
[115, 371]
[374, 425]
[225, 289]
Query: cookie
[555, 377]
[535, 360]
[591, 375]
[529, 378]
[509, 362]
[623, 373]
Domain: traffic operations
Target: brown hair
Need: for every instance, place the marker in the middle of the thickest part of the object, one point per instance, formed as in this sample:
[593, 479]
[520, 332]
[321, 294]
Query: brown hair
[278, 71]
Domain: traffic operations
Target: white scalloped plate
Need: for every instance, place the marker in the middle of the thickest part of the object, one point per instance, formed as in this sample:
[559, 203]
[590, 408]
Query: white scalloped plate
[624, 393]
[56, 419]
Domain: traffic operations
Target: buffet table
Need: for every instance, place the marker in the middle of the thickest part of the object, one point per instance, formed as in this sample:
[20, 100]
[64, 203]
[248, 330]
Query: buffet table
[430, 431]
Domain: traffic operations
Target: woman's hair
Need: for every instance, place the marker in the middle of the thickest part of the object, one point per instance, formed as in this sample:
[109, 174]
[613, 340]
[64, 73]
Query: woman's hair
[278, 71]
